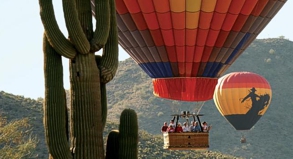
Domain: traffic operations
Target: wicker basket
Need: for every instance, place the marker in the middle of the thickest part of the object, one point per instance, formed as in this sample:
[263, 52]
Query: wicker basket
[180, 141]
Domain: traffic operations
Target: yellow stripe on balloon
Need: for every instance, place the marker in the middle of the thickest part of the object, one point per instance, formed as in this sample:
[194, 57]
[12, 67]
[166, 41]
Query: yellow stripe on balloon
[193, 5]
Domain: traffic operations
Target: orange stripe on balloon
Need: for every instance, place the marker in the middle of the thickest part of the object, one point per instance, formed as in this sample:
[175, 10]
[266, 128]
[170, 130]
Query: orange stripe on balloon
[177, 6]
[223, 6]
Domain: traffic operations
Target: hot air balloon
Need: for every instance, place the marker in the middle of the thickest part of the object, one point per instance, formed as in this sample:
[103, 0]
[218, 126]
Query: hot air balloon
[186, 45]
[242, 98]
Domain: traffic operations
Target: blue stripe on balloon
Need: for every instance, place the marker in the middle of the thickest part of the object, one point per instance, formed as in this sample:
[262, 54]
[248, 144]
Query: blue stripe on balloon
[165, 69]
[238, 47]
[206, 71]
[212, 69]
[153, 69]
[215, 69]
[146, 70]
[157, 69]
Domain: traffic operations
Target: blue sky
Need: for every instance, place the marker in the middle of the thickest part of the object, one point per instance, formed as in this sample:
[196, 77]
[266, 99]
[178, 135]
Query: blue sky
[21, 57]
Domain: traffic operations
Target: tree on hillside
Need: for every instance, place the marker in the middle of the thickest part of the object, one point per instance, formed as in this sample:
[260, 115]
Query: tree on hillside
[89, 74]
[15, 139]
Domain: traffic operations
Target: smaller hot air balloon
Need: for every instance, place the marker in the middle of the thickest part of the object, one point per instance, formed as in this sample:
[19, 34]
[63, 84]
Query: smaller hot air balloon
[242, 98]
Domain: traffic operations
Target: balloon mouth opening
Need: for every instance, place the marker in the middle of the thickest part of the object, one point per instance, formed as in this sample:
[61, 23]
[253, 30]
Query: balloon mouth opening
[192, 89]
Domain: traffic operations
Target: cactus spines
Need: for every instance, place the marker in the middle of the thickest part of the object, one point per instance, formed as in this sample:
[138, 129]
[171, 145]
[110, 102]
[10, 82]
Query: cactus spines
[128, 135]
[112, 148]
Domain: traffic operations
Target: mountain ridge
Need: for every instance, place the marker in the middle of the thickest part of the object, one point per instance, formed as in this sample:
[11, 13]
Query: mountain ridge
[131, 88]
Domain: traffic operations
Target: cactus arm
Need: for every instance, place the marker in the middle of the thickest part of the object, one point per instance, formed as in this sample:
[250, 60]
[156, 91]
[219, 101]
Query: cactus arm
[109, 61]
[103, 96]
[55, 36]
[128, 135]
[74, 28]
[112, 145]
[85, 17]
[102, 15]
[55, 121]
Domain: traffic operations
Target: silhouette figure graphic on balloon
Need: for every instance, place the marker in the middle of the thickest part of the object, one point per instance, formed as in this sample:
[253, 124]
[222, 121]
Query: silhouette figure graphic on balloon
[258, 102]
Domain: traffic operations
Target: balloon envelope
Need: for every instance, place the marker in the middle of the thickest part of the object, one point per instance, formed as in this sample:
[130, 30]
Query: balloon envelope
[242, 98]
[185, 45]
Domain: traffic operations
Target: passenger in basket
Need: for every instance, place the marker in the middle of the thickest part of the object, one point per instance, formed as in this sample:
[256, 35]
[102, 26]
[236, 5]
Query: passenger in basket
[179, 129]
[191, 125]
[172, 123]
[171, 129]
[205, 127]
[164, 127]
[195, 127]
[185, 127]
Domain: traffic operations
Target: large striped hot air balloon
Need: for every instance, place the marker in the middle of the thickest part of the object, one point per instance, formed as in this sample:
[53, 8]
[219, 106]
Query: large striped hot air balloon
[185, 45]
[242, 98]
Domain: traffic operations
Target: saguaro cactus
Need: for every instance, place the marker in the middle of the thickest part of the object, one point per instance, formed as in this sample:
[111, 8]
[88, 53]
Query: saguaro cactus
[89, 74]
[128, 135]
[122, 144]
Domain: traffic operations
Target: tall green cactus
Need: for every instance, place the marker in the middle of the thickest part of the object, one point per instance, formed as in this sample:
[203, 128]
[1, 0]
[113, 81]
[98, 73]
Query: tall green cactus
[122, 144]
[128, 135]
[88, 76]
